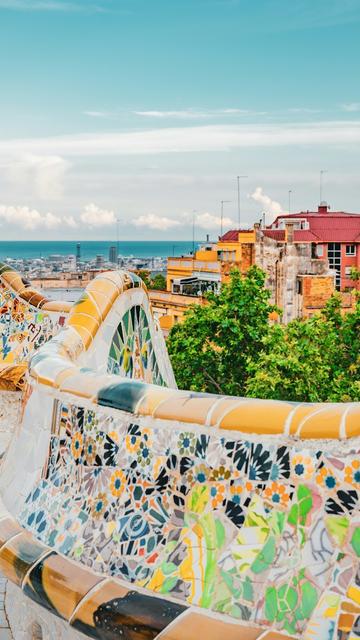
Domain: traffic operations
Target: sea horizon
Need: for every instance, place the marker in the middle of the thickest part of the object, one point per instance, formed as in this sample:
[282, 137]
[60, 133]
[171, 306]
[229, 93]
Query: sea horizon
[32, 249]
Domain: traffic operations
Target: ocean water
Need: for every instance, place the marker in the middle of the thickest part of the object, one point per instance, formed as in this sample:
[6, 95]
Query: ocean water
[90, 249]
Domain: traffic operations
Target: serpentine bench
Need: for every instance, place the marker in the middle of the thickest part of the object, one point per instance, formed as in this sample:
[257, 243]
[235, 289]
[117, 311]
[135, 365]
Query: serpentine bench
[134, 510]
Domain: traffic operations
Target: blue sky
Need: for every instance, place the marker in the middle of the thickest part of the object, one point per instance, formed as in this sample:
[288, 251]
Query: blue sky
[146, 110]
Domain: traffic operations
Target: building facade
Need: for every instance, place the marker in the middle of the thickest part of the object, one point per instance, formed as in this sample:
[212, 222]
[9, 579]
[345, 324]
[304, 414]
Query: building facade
[305, 256]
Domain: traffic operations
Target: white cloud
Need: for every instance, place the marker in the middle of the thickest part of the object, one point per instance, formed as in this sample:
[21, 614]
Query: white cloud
[96, 217]
[181, 115]
[211, 221]
[98, 114]
[351, 107]
[194, 114]
[189, 139]
[269, 206]
[43, 173]
[152, 221]
[70, 222]
[26, 218]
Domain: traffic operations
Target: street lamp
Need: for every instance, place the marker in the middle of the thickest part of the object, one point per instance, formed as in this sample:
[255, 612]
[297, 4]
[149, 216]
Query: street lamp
[289, 194]
[238, 195]
[222, 213]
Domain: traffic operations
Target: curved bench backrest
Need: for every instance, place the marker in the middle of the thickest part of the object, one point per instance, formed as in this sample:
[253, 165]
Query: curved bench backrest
[153, 511]
[27, 321]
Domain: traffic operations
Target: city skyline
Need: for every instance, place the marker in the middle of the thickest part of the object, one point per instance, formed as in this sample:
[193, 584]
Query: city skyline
[145, 111]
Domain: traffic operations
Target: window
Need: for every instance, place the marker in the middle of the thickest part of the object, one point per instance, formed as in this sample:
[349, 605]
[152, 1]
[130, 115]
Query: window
[319, 250]
[350, 250]
[348, 271]
[334, 257]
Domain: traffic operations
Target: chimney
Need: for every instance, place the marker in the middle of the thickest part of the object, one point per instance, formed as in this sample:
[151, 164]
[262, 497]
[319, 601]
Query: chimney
[289, 232]
[323, 207]
[257, 231]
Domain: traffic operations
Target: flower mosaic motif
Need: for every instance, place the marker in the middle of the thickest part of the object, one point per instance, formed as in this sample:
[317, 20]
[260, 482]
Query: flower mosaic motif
[131, 352]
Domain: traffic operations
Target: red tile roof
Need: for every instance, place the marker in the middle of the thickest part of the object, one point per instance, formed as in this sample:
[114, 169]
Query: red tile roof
[233, 234]
[326, 226]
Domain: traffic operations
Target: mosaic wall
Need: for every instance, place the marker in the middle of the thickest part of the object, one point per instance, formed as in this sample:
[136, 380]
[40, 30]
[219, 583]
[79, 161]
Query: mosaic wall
[23, 328]
[131, 352]
[267, 534]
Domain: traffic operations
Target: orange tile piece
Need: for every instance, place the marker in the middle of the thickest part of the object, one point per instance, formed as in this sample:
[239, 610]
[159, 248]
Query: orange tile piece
[346, 621]
[257, 417]
[349, 607]
[193, 626]
[60, 306]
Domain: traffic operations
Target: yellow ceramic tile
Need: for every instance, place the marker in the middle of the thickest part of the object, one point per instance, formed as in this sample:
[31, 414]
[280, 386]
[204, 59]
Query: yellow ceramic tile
[104, 287]
[353, 421]
[152, 398]
[193, 626]
[324, 422]
[85, 305]
[103, 301]
[354, 594]
[257, 417]
[91, 323]
[222, 406]
[18, 555]
[185, 409]
[300, 413]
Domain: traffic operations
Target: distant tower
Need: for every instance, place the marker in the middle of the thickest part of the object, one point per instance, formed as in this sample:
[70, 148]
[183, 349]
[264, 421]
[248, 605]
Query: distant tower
[113, 254]
[78, 252]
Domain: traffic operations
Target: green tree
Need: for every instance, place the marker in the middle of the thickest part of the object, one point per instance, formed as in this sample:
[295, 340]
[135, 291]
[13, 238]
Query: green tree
[145, 277]
[311, 360]
[211, 348]
[158, 282]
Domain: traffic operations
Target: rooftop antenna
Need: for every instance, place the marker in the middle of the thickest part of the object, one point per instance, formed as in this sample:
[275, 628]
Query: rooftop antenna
[321, 183]
[193, 230]
[238, 195]
[222, 214]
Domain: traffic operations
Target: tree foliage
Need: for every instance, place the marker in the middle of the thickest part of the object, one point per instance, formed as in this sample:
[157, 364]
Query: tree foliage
[156, 282]
[210, 350]
[229, 346]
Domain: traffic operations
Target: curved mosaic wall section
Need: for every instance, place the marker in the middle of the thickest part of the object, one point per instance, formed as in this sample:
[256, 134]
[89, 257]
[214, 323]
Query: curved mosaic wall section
[27, 321]
[134, 510]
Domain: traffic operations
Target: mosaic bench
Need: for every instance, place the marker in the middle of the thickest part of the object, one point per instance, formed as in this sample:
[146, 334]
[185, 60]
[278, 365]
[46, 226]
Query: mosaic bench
[134, 510]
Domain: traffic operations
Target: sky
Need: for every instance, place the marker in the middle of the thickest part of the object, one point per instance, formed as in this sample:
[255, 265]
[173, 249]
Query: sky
[146, 111]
